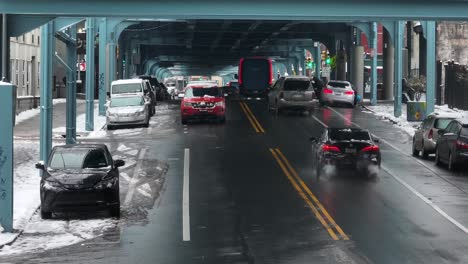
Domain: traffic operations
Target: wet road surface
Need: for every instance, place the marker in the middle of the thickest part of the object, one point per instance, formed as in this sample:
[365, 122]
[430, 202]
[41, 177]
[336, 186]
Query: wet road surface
[253, 197]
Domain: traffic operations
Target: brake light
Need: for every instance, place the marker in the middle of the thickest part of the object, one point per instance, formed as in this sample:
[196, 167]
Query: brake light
[373, 148]
[431, 134]
[330, 148]
[281, 95]
[461, 145]
[327, 91]
[349, 92]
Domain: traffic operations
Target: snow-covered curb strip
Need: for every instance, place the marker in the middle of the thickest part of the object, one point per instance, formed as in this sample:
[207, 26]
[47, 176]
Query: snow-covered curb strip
[385, 111]
[25, 115]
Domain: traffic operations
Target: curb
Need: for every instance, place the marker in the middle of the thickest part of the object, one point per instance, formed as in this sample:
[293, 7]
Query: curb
[20, 231]
[385, 118]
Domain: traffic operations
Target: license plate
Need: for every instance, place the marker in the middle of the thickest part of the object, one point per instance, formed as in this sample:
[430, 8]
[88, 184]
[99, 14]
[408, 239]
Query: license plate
[338, 93]
[298, 96]
[350, 150]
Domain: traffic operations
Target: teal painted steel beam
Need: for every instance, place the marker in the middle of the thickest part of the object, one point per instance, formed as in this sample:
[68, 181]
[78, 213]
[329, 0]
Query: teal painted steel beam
[20, 24]
[318, 60]
[7, 103]
[62, 23]
[90, 37]
[46, 71]
[71, 89]
[373, 44]
[102, 66]
[430, 33]
[399, 29]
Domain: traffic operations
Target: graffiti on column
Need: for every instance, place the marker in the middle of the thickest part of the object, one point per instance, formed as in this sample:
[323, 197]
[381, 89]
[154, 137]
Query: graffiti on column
[3, 180]
[101, 81]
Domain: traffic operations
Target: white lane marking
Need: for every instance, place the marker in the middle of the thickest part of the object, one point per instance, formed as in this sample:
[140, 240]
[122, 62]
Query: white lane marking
[318, 120]
[185, 198]
[409, 187]
[427, 201]
[134, 180]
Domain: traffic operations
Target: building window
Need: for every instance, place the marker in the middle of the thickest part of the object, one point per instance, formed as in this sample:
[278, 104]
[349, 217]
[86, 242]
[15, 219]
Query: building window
[38, 40]
[23, 38]
[32, 38]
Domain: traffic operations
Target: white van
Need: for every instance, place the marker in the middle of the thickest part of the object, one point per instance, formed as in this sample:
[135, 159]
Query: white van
[128, 86]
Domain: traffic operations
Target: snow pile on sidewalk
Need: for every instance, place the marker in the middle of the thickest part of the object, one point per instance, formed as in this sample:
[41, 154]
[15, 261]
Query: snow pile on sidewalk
[385, 111]
[25, 115]
[99, 122]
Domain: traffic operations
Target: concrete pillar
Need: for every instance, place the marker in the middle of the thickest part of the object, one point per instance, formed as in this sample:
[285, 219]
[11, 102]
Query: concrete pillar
[357, 77]
[414, 54]
[103, 82]
[373, 44]
[7, 103]
[90, 34]
[5, 48]
[398, 44]
[388, 59]
[341, 61]
[318, 60]
[47, 51]
[71, 90]
[112, 62]
[430, 65]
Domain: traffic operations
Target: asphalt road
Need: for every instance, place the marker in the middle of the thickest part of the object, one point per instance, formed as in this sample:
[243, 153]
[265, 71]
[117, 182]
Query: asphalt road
[245, 192]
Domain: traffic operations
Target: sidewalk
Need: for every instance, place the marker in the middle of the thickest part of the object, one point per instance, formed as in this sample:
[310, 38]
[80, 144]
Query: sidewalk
[26, 154]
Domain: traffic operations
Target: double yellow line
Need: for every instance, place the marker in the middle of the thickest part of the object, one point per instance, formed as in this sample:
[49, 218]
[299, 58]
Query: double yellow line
[253, 120]
[322, 215]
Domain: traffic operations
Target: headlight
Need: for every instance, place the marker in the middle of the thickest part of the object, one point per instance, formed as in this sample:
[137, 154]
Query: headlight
[187, 104]
[50, 185]
[138, 113]
[220, 104]
[106, 183]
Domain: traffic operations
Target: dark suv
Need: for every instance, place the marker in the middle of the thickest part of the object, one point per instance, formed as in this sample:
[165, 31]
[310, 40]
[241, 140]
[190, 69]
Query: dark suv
[452, 144]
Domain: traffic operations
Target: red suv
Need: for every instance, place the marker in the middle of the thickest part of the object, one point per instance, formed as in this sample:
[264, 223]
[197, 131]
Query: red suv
[203, 102]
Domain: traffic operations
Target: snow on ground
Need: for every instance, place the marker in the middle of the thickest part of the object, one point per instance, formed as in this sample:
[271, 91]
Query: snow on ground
[25, 115]
[99, 122]
[385, 111]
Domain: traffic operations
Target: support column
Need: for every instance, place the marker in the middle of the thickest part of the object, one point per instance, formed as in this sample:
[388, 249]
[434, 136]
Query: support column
[398, 40]
[5, 50]
[373, 43]
[7, 99]
[388, 58]
[357, 77]
[90, 35]
[103, 82]
[318, 60]
[430, 32]
[112, 61]
[341, 65]
[71, 89]
[47, 51]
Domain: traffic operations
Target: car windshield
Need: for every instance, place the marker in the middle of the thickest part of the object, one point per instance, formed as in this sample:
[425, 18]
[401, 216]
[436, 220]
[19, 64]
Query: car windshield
[126, 88]
[127, 101]
[349, 135]
[203, 92]
[296, 85]
[78, 158]
[442, 123]
[339, 84]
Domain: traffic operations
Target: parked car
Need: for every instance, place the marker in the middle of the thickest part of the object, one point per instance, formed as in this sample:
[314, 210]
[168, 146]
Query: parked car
[160, 89]
[203, 102]
[128, 87]
[345, 149]
[425, 137]
[80, 177]
[338, 92]
[128, 110]
[452, 144]
[293, 92]
[171, 89]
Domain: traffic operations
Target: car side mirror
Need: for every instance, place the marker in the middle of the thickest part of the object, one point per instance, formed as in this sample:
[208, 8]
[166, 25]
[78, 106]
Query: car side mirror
[313, 139]
[181, 95]
[441, 132]
[119, 163]
[226, 95]
[40, 165]
[108, 94]
[376, 140]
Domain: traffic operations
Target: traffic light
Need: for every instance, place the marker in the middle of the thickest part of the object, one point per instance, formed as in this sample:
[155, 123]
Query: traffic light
[328, 61]
[309, 63]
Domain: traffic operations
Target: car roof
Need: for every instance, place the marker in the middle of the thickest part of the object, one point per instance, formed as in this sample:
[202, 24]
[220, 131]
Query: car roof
[128, 81]
[127, 96]
[338, 81]
[301, 78]
[446, 115]
[81, 146]
[462, 121]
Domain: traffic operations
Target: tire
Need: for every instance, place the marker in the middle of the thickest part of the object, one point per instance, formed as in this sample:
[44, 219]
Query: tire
[109, 127]
[415, 151]
[184, 121]
[451, 164]
[424, 153]
[114, 210]
[46, 215]
[437, 157]
[222, 120]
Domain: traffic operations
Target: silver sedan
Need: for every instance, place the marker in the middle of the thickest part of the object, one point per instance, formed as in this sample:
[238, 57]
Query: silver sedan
[338, 92]
[128, 110]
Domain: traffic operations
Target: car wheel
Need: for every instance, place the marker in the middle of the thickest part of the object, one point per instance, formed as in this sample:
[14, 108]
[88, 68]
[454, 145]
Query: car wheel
[184, 121]
[437, 157]
[115, 210]
[415, 151]
[424, 153]
[222, 120]
[109, 127]
[451, 163]
[46, 215]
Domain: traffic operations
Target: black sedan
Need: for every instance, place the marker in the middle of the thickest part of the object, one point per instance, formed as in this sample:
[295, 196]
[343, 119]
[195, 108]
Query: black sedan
[452, 144]
[80, 177]
[345, 149]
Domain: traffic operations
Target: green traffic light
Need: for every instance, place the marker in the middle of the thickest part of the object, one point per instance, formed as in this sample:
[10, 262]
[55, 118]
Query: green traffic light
[328, 60]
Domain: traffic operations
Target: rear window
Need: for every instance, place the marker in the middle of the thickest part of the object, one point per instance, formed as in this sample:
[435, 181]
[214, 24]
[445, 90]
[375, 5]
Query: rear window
[203, 92]
[126, 88]
[442, 123]
[464, 131]
[295, 85]
[338, 84]
[349, 135]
